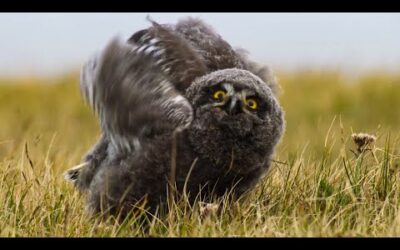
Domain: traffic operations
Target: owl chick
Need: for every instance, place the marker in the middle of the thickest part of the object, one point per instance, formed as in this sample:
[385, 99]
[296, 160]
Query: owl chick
[176, 102]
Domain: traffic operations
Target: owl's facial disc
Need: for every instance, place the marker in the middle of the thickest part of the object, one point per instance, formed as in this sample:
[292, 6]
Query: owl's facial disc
[234, 102]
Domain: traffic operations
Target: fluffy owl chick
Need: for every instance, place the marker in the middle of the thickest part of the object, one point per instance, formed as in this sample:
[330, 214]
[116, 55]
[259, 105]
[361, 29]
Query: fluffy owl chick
[176, 98]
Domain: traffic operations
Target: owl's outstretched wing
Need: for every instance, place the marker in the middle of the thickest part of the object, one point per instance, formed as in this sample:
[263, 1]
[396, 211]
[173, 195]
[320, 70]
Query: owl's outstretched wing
[217, 53]
[180, 62]
[133, 97]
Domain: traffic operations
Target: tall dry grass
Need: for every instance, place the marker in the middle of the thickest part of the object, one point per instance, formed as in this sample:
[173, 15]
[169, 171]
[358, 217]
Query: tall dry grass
[316, 187]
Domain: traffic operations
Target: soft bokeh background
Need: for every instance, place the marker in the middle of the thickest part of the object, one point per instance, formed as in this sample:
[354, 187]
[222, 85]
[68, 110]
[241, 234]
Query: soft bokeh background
[53, 43]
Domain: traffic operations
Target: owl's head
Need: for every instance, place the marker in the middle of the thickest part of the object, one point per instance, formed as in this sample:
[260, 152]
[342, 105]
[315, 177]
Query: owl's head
[231, 97]
[234, 108]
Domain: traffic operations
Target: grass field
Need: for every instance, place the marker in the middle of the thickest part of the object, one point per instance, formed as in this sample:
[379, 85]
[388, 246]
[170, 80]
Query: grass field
[316, 187]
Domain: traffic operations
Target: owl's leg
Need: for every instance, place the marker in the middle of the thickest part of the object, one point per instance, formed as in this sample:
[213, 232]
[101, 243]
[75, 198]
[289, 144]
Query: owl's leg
[82, 175]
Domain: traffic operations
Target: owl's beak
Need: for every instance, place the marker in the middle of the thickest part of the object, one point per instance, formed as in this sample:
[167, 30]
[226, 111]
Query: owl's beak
[233, 105]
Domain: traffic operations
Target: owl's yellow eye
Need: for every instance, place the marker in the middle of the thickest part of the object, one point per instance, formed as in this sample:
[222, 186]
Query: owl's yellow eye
[219, 94]
[251, 103]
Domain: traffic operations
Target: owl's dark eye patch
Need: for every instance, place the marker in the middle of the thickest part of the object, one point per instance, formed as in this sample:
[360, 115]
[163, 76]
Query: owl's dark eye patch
[257, 105]
[207, 94]
[251, 103]
[219, 95]
[216, 92]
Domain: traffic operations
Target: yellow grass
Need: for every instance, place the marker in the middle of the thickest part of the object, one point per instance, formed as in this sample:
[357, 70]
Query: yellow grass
[316, 187]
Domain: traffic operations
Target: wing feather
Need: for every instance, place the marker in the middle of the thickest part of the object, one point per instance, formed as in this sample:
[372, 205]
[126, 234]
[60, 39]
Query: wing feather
[132, 96]
[180, 62]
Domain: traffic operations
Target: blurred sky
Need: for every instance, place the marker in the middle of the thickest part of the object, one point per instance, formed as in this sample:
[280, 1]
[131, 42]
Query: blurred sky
[54, 43]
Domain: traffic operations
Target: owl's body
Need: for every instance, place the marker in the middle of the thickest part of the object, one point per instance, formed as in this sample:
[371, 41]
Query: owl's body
[176, 96]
